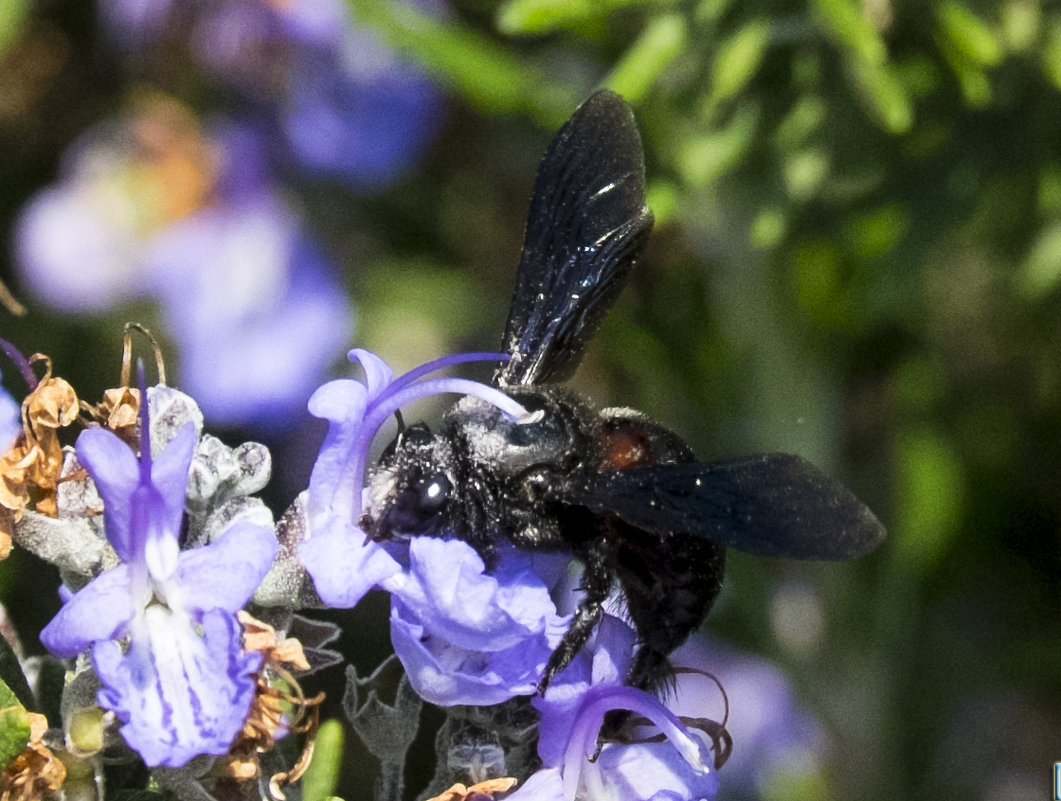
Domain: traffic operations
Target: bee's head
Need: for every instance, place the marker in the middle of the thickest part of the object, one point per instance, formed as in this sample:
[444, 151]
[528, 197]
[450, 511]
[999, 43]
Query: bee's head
[411, 488]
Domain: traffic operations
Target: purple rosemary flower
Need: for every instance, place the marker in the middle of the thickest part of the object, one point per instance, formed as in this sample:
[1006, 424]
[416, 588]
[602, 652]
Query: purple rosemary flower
[466, 636]
[344, 565]
[603, 661]
[161, 625]
[572, 712]
[676, 769]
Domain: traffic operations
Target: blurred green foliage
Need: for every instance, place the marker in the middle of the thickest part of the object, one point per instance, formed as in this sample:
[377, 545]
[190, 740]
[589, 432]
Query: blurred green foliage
[857, 258]
[14, 725]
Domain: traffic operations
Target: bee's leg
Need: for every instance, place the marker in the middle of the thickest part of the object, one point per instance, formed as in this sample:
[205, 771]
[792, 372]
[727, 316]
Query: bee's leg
[596, 583]
[669, 588]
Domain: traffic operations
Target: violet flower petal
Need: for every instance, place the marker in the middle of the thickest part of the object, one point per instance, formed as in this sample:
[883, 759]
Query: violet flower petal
[179, 693]
[99, 611]
[115, 470]
[169, 472]
[342, 403]
[543, 785]
[378, 374]
[225, 573]
[450, 592]
[343, 564]
[604, 661]
[677, 772]
[446, 675]
[646, 770]
[10, 421]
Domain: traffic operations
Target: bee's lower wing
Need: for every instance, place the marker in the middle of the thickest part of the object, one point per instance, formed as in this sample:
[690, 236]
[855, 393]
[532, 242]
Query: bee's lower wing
[586, 225]
[769, 504]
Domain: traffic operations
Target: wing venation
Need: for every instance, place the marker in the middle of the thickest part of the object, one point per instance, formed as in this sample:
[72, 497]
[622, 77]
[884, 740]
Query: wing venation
[770, 505]
[586, 225]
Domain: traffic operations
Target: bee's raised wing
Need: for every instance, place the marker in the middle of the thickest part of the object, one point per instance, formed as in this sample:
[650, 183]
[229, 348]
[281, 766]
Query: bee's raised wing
[770, 504]
[586, 225]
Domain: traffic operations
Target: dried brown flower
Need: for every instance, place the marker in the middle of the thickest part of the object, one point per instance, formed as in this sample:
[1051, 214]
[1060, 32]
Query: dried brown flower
[120, 408]
[481, 791]
[279, 707]
[119, 411]
[36, 772]
[30, 470]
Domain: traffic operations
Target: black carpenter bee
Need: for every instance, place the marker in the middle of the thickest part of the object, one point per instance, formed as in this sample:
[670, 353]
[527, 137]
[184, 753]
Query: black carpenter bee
[623, 494]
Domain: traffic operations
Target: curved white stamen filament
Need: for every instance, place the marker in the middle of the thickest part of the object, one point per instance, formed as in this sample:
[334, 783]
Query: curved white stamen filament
[442, 363]
[600, 700]
[408, 388]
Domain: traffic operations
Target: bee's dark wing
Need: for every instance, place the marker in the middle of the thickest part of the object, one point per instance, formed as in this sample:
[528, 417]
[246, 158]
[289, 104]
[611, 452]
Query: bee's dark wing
[586, 225]
[770, 504]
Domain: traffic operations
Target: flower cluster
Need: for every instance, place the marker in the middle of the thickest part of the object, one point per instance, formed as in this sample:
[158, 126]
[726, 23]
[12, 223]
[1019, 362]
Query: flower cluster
[469, 635]
[167, 656]
[195, 214]
[161, 625]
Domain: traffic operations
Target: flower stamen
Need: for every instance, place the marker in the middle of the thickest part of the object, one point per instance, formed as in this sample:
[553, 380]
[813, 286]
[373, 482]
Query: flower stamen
[410, 387]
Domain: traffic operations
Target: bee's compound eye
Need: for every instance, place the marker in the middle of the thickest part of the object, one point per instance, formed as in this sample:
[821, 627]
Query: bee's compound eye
[434, 491]
[417, 507]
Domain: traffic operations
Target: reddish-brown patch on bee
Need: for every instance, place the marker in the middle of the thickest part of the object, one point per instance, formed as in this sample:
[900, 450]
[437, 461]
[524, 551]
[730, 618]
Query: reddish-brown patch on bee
[623, 449]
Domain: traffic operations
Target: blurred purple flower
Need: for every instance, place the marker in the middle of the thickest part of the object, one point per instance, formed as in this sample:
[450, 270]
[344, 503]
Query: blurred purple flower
[346, 106]
[772, 734]
[356, 112]
[256, 336]
[79, 242]
[165, 641]
[135, 23]
[151, 206]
